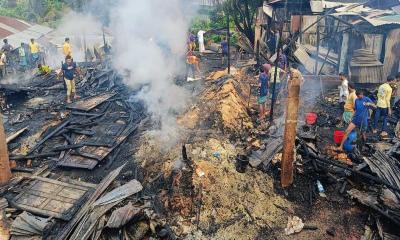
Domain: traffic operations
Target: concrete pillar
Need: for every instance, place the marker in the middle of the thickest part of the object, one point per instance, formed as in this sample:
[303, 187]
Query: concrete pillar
[5, 172]
[290, 133]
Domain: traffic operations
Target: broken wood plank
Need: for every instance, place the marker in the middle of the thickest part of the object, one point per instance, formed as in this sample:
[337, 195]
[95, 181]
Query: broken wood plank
[89, 103]
[41, 155]
[124, 191]
[51, 198]
[123, 215]
[88, 157]
[27, 224]
[48, 136]
[273, 147]
[15, 135]
[65, 233]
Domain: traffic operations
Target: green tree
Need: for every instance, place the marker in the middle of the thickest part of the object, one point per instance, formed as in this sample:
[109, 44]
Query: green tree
[243, 13]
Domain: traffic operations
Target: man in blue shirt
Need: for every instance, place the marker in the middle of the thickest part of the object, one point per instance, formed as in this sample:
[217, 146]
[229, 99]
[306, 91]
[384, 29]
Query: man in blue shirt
[68, 70]
[360, 117]
[263, 89]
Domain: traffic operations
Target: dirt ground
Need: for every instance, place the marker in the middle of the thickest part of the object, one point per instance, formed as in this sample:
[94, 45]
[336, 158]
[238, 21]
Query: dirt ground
[235, 205]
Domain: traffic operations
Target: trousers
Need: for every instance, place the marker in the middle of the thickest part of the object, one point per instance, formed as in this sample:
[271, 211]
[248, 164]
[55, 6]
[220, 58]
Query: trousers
[381, 112]
[70, 86]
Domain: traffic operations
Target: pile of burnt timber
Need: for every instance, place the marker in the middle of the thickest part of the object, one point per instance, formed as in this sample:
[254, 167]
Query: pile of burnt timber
[82, 134]
[92, 128]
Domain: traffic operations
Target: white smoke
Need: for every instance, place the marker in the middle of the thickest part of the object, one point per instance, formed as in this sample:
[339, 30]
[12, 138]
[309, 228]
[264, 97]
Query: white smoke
[83, 30]
[150, 43]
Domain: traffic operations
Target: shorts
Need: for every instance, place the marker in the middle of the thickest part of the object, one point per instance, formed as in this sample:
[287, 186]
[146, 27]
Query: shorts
[362, 125]
[262, 99]
[347, 116]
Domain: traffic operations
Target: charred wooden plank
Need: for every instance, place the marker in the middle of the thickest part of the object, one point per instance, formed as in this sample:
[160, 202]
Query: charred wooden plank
[89, 103]
[51, 134]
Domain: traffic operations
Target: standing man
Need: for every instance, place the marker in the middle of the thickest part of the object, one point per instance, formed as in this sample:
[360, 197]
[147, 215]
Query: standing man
[200, 37]
[68, 70]
[23, 61]
[279, 75]
[7, 48]
[349, 104]
[383, 104]
[192, 64]
[67, 49]
[3, 61]
[263, 84]
[224, 49]
[343, 88]
[282, 61]
[396, 89]
[34, 51]
[360, 118]
[191, 42]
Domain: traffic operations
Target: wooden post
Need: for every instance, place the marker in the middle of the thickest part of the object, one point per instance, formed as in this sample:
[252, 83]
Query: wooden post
[290, 133]
[5, 172]
[229, 43]
[318, 43]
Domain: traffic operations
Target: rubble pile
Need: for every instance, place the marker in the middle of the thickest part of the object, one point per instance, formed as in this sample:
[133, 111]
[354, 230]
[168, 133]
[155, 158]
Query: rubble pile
[57, 151]
[223, 105]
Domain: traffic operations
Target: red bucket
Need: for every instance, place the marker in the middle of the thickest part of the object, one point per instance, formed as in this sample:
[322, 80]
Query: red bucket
[311, 118]
[338, 137]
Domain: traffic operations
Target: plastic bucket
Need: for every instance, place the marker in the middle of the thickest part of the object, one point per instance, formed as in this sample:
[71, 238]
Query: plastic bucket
[242, 162]
[311, 118]
[338, 136]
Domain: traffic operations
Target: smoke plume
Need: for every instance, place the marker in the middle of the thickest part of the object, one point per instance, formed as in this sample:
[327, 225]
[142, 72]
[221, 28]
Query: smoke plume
[150, 44]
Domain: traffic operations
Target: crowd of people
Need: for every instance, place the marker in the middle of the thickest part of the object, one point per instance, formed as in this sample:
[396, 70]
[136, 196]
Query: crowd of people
[363, 114]
[30, 57]
[23, 58]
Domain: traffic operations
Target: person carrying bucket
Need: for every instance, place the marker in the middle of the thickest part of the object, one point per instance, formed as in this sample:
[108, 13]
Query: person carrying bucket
[360, 117]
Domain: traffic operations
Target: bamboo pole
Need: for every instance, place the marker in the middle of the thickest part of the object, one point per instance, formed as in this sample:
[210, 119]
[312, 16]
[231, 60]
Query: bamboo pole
[5, 172]
[290, 133]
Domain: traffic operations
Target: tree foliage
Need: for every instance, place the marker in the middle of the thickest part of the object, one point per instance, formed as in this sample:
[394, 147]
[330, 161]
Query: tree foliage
[39, 11]
[243, 13]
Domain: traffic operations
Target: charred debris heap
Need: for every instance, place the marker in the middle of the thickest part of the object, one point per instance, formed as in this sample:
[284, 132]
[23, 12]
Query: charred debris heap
[49, 142]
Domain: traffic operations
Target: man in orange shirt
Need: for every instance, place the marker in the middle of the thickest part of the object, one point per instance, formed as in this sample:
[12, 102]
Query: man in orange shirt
[192, 64]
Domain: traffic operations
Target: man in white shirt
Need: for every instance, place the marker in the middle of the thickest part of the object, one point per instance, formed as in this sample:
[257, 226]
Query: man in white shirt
[343, 88]
[3, 61]
[200, 36]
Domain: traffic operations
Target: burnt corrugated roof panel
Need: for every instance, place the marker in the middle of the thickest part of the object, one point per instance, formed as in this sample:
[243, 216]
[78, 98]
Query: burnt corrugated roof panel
[4, 33]
[14, 23]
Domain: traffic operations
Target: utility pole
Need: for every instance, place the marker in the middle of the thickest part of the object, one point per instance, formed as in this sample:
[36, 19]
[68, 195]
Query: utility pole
[5, 172]
[289, 136]
[229, 43]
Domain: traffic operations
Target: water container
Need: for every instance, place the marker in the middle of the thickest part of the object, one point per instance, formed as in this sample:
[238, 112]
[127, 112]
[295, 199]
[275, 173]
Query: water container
[311, 118]
[338, 136]
[241, 163]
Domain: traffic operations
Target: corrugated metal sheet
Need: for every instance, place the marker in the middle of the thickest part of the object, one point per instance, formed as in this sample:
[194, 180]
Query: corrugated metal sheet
[34, 32]
[391, 63]
[365, 67]
[4, 33]
[320, 6]
[374, 42]
[43, 30]
[17, 31]
[309, 62]
[372, 74]
[14, 23]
